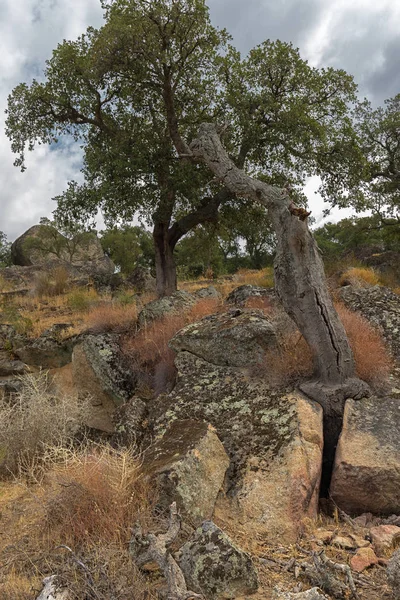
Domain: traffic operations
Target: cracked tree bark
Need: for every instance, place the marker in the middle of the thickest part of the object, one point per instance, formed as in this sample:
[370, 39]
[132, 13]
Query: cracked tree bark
[301, 286]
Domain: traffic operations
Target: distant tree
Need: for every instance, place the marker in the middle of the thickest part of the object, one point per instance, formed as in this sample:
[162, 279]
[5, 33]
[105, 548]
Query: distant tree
[378, 131]
[5, 251]
[336, 239]
[200, 254]
[128, 247]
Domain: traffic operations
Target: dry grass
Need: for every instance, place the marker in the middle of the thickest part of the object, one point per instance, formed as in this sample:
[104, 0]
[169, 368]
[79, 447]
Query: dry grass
[95, 496]
[149, 350]
[113, 317]
[261, 278]
[77, 524]
[51, 283]
[373, 362]
[359, 276]
[34, 420]
[293, 361]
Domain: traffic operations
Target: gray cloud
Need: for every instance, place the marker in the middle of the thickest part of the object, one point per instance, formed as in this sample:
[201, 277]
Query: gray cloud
[254, 21]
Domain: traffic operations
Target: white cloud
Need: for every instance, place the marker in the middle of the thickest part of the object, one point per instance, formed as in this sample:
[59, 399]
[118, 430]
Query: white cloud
[361, 37]
[29, 31]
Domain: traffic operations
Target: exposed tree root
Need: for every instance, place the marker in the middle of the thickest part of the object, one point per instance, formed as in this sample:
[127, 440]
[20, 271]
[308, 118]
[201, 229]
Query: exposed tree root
[155, 548]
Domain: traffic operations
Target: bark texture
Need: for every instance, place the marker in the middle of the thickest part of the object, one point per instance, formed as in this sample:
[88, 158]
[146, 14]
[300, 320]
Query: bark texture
[300, 284]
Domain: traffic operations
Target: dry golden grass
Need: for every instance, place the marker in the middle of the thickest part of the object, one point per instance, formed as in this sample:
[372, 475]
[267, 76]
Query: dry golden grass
[224, 285]
[359, 276]
[112, 317]
[83, 510]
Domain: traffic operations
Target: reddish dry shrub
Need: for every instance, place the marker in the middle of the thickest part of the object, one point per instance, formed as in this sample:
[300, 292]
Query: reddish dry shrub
[109, 318]
[261, 303]
[371, 356]
[294, 357]
[292, 360]
[149, 350]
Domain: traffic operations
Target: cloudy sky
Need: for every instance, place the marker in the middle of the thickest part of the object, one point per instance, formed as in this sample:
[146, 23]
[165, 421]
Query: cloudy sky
[362, 37]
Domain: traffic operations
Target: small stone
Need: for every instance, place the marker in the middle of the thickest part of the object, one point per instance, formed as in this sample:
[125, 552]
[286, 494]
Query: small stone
[384, 538]
[313, 594]
[350, 542]
[323, 535]
[215, 567]
[364, 558]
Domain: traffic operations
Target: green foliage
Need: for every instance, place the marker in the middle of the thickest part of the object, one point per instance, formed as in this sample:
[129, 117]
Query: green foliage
[128, 247]
[134, 93]
[199, 254]
[379, 131]
[348, 235]
[5, 251]
[10, 314]
[78, 301]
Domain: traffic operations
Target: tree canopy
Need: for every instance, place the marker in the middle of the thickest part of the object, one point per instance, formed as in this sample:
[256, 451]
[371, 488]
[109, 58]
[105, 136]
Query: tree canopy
[134, 92]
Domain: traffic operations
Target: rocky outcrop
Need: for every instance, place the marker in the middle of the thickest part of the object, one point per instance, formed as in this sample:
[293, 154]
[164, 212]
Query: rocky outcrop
[43, 245]
[366, 474]
[174, 304]
[208, 293]
[240, 295]
[11, 368]
[142, 280]
[101, 373]
[237, 338]
[274, 441]
[215, 567]
[381, 306]
[48, 351]
[189, 463]
[130, 423]
[393, 574]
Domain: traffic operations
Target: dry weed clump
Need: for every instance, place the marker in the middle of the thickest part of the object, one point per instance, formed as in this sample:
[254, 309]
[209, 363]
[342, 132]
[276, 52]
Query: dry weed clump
[291, 362]
[373, 361]
[51, 283]
[359, 276]
[294, 361]
[149, 350]
[112, 317]
[80, 523]
[32, 421]
[95, 496]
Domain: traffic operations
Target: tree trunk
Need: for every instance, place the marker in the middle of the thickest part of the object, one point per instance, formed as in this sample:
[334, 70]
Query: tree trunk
[301, 286]
[164, 258]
